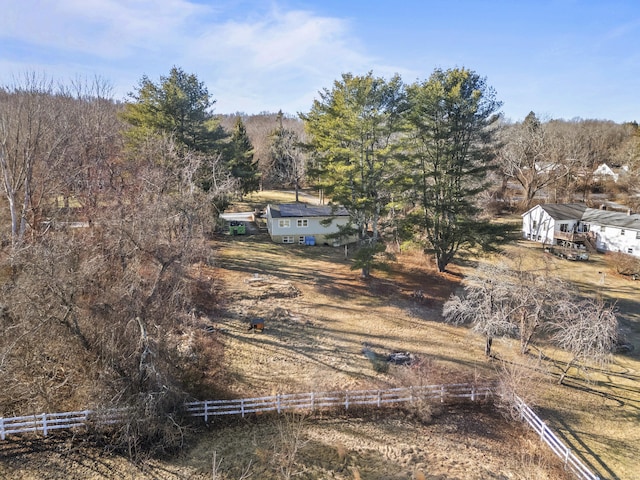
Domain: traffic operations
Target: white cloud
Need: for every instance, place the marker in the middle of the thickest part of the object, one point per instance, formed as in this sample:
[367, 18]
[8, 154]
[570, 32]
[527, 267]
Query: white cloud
[102, 28]
[251, 59]
[278, 61]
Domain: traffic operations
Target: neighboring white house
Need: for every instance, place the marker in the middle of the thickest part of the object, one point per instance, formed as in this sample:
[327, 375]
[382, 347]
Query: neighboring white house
[576, 224]
[604, 172]
[307, 224]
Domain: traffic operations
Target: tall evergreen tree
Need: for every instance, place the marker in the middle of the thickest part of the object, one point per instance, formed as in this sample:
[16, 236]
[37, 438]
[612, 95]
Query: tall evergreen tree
[241, 162]
[453, 117]
[354, 128]
[179, 106]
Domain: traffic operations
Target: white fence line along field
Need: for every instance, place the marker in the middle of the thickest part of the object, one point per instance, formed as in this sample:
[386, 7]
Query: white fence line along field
[46, 422]
[341, 399]
[312, 401]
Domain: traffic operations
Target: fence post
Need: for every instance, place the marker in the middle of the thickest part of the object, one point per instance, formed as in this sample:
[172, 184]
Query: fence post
[313, 401]
[44, 424]
[379, 398]
[473, 393]
[206, 411]
[242, 407]
[2, 435]
[278, 401]
[346, 400]
[441, 393]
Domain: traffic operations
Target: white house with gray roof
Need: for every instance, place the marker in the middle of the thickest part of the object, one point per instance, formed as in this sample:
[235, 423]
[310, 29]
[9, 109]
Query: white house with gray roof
[299, 223]
[576, 224]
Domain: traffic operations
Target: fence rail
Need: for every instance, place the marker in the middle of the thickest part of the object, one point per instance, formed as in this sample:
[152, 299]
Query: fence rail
[46, 422]
[312, 401]
[340, 399]
[556, 445]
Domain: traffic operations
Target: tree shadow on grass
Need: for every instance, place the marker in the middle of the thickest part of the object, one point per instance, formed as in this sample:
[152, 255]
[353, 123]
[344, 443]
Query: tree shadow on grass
[575, 440]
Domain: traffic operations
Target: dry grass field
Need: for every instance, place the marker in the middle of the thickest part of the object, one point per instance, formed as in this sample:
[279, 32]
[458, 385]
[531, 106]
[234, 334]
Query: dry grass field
[319, 316]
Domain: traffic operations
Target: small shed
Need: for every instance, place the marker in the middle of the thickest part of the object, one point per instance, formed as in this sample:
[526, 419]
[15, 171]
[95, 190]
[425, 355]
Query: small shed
[256, 325]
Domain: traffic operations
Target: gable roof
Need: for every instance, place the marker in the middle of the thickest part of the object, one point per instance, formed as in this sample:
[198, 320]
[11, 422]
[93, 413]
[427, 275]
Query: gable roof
[564, 211]
[304, 210]
[579, 211]
[612, 219]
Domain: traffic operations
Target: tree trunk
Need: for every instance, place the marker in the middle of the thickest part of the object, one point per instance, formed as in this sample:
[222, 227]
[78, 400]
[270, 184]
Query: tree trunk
[487, 347]
[565, 371]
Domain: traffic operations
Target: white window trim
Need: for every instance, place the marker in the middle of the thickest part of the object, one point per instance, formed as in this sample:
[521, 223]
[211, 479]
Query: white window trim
[284, 223]
[287, 239]
[302, 222]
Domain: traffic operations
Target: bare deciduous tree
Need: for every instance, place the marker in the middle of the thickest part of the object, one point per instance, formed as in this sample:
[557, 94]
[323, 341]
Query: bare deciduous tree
[528, 158]
[287, 159]
[588, 329]
[507, 299]
[34, 137]
[511, 299]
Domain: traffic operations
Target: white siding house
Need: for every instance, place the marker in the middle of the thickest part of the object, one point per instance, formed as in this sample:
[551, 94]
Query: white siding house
[604, 172]
[299, 223]
[556, 224]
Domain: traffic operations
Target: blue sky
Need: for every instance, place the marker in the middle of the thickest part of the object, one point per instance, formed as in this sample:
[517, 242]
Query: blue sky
[558, 58]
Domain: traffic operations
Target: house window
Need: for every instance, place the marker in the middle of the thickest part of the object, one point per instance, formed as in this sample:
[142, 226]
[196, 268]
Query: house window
[638, 235]
[287, 239]
[630, 250]
[301, 240]
[303, 222]
[622, 231]
[564, 227]
[282, 223]
[602, 229]
[535, 224]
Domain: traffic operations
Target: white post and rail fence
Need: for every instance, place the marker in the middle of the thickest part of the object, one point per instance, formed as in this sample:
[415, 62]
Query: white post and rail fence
[46, 423]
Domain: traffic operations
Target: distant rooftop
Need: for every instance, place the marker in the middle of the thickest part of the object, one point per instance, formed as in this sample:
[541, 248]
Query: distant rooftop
[305, 210]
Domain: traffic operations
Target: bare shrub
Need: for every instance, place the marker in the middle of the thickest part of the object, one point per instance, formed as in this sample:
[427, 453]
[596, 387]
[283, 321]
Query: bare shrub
[517, 380]
[216, 473]
[151, 425]
[623, 263]
[290, 441]
[422, 371]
